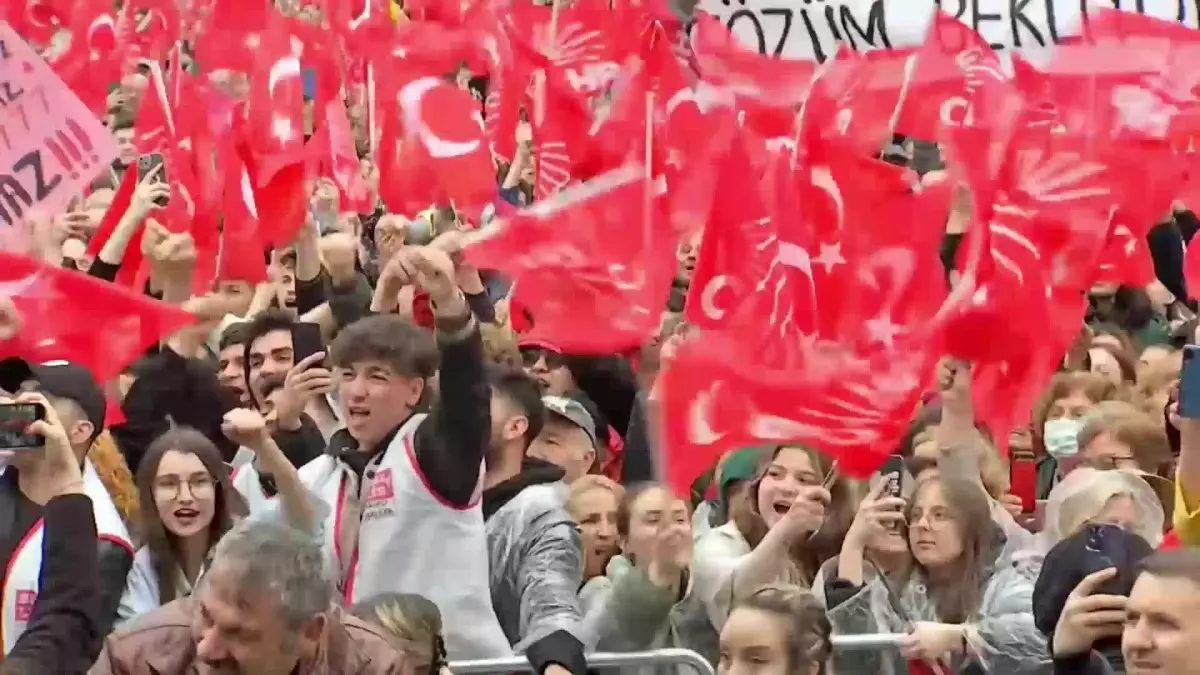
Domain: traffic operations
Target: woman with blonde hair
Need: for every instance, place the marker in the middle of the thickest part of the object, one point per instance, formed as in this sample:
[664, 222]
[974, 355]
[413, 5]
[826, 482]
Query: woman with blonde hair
[415, 624]
[1093, 496]
[593, 502]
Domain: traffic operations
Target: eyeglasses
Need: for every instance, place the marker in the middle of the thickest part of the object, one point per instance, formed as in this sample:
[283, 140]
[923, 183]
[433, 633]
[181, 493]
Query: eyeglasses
[531, 355]
[169, 488]
[934, 518]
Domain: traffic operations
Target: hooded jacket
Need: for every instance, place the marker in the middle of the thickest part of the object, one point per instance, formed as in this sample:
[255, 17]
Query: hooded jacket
[536, 562]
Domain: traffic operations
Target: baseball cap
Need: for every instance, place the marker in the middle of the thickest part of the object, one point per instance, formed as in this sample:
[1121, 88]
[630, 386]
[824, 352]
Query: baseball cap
[60, 379]
[574, 412]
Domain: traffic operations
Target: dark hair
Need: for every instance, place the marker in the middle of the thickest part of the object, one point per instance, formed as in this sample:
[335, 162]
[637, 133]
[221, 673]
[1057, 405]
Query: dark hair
[234, 334]
[1132, 308]
[227, 503]
[265, 322]
[517, 387]
[1179, 563]
[409, 349]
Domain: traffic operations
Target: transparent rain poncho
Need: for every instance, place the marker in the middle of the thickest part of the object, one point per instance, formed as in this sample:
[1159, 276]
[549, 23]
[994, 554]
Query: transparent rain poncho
[1001, 636]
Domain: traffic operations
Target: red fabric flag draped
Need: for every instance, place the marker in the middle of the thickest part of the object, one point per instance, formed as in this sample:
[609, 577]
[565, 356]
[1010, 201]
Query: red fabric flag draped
[78, 318]
[594, 250]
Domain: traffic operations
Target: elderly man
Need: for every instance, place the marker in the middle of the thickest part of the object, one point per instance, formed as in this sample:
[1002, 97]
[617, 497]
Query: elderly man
[265, 607]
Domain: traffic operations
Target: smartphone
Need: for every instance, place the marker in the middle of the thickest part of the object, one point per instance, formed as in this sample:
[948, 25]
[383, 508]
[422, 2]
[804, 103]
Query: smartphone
[1189, 383]
[893, 471]
[1105, 548]
[15, 419]
[306, 341]
[1022, 478]
[146, 164]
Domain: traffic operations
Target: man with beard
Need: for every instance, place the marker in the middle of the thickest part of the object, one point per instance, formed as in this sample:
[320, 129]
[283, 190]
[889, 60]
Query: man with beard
[264, 607]
[533, 543]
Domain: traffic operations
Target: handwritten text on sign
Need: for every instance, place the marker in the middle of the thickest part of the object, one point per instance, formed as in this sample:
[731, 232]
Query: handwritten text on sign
[813, 29]
[51, 146]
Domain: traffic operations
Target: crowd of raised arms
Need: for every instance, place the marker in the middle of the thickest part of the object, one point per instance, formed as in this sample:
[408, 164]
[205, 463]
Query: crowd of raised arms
[368, 337]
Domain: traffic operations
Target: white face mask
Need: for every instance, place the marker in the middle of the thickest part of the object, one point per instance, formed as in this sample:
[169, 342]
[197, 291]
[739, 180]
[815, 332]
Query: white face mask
[1061, 437]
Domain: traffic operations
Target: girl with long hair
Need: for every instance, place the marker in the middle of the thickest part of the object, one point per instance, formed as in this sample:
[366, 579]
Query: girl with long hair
[963, 602]
[781, 529]
[188, 503]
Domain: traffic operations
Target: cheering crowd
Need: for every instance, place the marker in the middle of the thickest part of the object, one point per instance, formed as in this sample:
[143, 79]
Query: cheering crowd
[399, 335]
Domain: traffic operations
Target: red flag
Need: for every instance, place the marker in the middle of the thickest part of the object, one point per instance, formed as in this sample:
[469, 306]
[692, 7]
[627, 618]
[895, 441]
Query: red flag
[75, 317]
[443, 158]
[131, 262]
[242, 249]
[598, 249]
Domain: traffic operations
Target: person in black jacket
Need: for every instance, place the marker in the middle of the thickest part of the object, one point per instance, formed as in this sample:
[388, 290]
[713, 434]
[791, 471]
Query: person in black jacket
[64, 624]
[78, 406]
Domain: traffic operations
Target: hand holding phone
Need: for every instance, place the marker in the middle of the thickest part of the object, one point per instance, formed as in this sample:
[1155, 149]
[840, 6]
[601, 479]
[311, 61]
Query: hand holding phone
[893, 471]
[306, 341]
[1022, 478]
[16, 426]
[154, 164]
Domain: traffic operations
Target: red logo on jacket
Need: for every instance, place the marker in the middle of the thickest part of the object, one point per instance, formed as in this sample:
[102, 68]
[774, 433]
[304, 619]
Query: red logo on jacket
[25, 602]
[381, 489]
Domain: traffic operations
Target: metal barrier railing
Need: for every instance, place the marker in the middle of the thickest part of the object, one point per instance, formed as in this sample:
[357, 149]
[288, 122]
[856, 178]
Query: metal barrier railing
[866, 642]
[656, 657]
[663, 657]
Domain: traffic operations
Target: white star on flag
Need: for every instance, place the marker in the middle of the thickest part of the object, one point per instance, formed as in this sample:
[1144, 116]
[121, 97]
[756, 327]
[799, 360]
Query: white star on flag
[882, 330]
[831, 256]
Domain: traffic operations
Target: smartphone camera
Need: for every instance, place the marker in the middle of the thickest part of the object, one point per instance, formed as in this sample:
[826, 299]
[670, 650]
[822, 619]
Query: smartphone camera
[148, 163]
[15, 419]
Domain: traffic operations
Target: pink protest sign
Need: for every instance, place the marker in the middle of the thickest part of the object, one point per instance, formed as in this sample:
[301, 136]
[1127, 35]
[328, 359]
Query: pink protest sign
[51, 146]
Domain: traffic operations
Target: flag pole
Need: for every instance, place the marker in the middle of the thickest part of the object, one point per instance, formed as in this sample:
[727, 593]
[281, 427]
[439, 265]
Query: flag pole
[553, 34]
[372, 121]
[649, 406]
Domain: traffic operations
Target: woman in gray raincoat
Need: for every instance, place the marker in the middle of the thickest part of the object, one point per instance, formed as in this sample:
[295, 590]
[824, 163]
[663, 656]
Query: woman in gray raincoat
[964, 603]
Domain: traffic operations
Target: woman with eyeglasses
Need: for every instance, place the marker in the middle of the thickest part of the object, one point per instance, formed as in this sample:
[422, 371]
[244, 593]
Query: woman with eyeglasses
[962, 602]
[188, 503]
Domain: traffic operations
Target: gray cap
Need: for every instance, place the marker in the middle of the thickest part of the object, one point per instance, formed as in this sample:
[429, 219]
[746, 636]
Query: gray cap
[574, 412]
